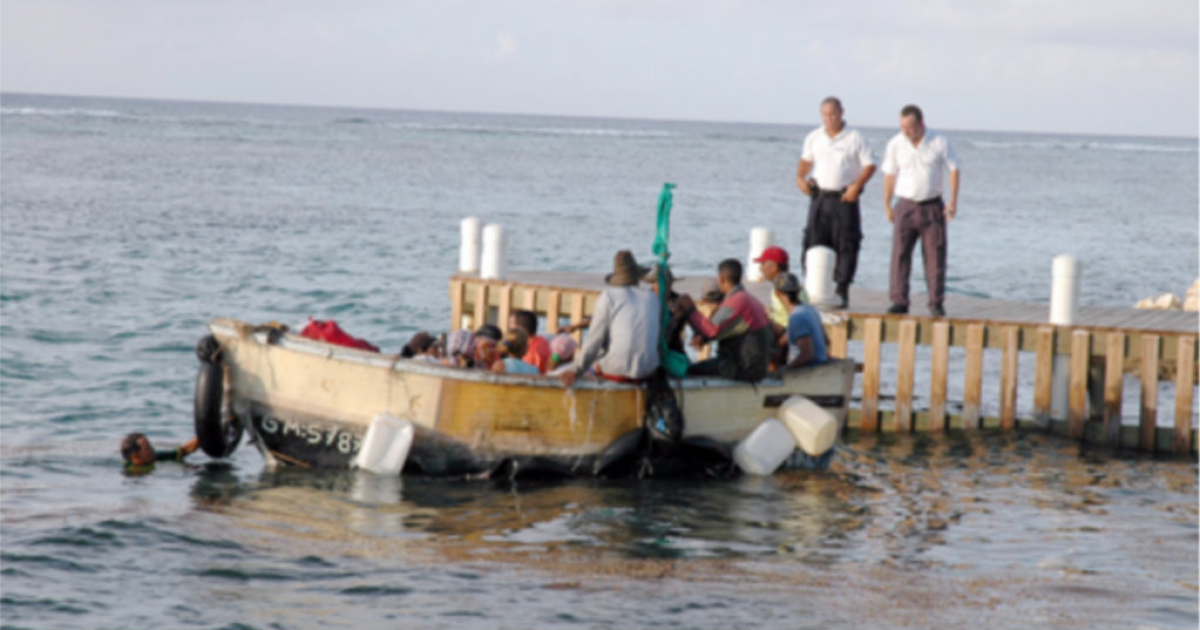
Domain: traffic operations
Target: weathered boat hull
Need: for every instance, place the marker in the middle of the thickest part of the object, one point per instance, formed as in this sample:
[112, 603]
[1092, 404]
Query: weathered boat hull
[308, 403]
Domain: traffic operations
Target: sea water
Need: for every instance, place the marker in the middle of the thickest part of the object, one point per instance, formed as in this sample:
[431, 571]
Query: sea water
[126, 225]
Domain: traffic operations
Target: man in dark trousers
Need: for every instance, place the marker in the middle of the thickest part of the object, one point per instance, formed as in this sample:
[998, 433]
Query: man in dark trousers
[840, 163]
[913, 168]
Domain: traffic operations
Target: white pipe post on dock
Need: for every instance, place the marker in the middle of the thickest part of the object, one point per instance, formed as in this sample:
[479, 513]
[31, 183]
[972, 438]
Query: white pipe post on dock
[468, 253]
[760, 239]
[495, 253]
[1064, 310]
[818, 276]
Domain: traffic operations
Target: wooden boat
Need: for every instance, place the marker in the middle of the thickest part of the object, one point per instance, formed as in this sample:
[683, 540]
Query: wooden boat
[309, 403]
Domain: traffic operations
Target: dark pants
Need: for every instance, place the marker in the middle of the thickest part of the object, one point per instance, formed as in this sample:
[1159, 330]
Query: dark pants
[741, 358]
[925, 221]
[837, 225]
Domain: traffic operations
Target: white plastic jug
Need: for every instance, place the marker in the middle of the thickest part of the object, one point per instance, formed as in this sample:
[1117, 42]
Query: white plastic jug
[765, 449]
[385, 446]
[813, 428]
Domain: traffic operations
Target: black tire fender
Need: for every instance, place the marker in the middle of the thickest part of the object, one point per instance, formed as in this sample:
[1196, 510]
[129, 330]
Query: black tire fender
[624, 446]
[218, 436]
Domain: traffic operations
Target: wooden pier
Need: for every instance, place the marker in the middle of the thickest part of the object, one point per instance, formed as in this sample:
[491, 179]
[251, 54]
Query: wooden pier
[1105, 344]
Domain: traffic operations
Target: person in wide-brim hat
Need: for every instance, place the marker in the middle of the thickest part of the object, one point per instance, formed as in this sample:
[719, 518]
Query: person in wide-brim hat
[626, 271]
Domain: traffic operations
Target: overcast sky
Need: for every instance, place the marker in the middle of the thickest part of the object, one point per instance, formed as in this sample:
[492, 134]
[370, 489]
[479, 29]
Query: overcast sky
[1087, 66]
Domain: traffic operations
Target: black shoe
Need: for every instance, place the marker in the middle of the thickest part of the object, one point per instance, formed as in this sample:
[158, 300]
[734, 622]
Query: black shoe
[898, 309]
[937, 311]
[844, 295]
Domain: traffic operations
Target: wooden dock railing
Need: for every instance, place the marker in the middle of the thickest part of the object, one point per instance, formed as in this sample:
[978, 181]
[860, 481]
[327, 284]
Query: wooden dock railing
[1107, 344]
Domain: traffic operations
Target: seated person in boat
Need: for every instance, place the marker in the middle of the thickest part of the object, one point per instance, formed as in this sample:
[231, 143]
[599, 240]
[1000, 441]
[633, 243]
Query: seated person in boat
[139, 454]
[538, 354]
[622, 340]
[805, 338]
[678, 322]
[514, 346]
[562, 354]
[422, 346]
[740, 324]
[486, 340]
[460, 349]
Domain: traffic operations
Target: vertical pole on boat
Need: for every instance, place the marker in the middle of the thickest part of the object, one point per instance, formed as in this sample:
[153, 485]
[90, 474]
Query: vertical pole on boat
[1064, 310]
[495, 253]
[468, 253]
[760, 239]
[818, 275]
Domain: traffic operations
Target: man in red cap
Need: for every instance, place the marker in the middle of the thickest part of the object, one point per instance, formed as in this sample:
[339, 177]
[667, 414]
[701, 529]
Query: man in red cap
[772, 262]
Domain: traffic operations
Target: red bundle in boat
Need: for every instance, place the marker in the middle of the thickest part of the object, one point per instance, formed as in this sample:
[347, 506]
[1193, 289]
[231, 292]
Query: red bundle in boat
[329, 332]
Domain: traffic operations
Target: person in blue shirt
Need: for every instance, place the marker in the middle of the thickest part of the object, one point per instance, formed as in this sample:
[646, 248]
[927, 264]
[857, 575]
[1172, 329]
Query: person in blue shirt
[805, 336]
[514, 346]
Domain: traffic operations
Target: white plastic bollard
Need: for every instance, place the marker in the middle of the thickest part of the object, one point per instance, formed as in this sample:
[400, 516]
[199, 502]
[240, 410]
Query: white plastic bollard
[815, 430]
[385, 446]
[760, 239]
[495, 253]
[1064, 290]
[468, 253]
[765, 449]
[1066, 272]
[818, 276]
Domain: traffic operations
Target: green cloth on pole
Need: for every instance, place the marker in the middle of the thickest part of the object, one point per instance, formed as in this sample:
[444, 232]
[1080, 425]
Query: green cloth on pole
[676, 363]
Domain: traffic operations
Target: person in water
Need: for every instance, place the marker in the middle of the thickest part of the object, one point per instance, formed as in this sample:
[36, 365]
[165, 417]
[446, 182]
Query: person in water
[138, 453]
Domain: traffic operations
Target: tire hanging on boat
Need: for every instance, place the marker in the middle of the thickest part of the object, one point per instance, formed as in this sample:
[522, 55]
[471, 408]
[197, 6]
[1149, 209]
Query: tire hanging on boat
[218, 436]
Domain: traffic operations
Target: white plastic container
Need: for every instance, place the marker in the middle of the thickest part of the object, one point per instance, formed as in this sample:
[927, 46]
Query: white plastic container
[494, 265]
[468, 254]
[814, 429]
[385, 446]
[765, 449]
[760, 239]
[818, 275]
[1065, 274]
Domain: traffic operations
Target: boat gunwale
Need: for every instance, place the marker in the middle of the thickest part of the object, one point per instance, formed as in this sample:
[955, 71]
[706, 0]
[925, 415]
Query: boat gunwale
[292, 342]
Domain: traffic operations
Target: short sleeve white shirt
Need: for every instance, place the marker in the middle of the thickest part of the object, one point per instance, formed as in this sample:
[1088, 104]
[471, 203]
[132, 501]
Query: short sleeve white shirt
[919, 170]
[839, 160]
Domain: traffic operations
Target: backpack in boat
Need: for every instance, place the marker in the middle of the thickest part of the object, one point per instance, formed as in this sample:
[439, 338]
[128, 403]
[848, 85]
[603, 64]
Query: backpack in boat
[329, 332]
[663, 418]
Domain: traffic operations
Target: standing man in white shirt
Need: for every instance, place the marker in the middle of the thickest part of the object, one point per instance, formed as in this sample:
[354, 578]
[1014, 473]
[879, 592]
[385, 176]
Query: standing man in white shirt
[913, 168]
[840, 163]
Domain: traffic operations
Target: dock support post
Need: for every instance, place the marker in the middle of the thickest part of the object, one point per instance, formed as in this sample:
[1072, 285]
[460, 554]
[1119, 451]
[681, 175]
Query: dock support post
[481, 306]
[1114, 379]
[940, 358]
[1043, 377]
[1185, 370]
[457, 320]
[1148, 418]
[906, 360]
[973, 376]
[1008, 377]
[872, 335]
[1081, 350]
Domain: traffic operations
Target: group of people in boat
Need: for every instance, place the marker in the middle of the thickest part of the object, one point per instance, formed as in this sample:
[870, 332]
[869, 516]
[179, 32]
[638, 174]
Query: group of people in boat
[623, 339]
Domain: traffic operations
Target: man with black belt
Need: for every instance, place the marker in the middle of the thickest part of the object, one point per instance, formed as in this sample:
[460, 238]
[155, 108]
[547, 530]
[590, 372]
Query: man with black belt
[912, 171]
[840, 163]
